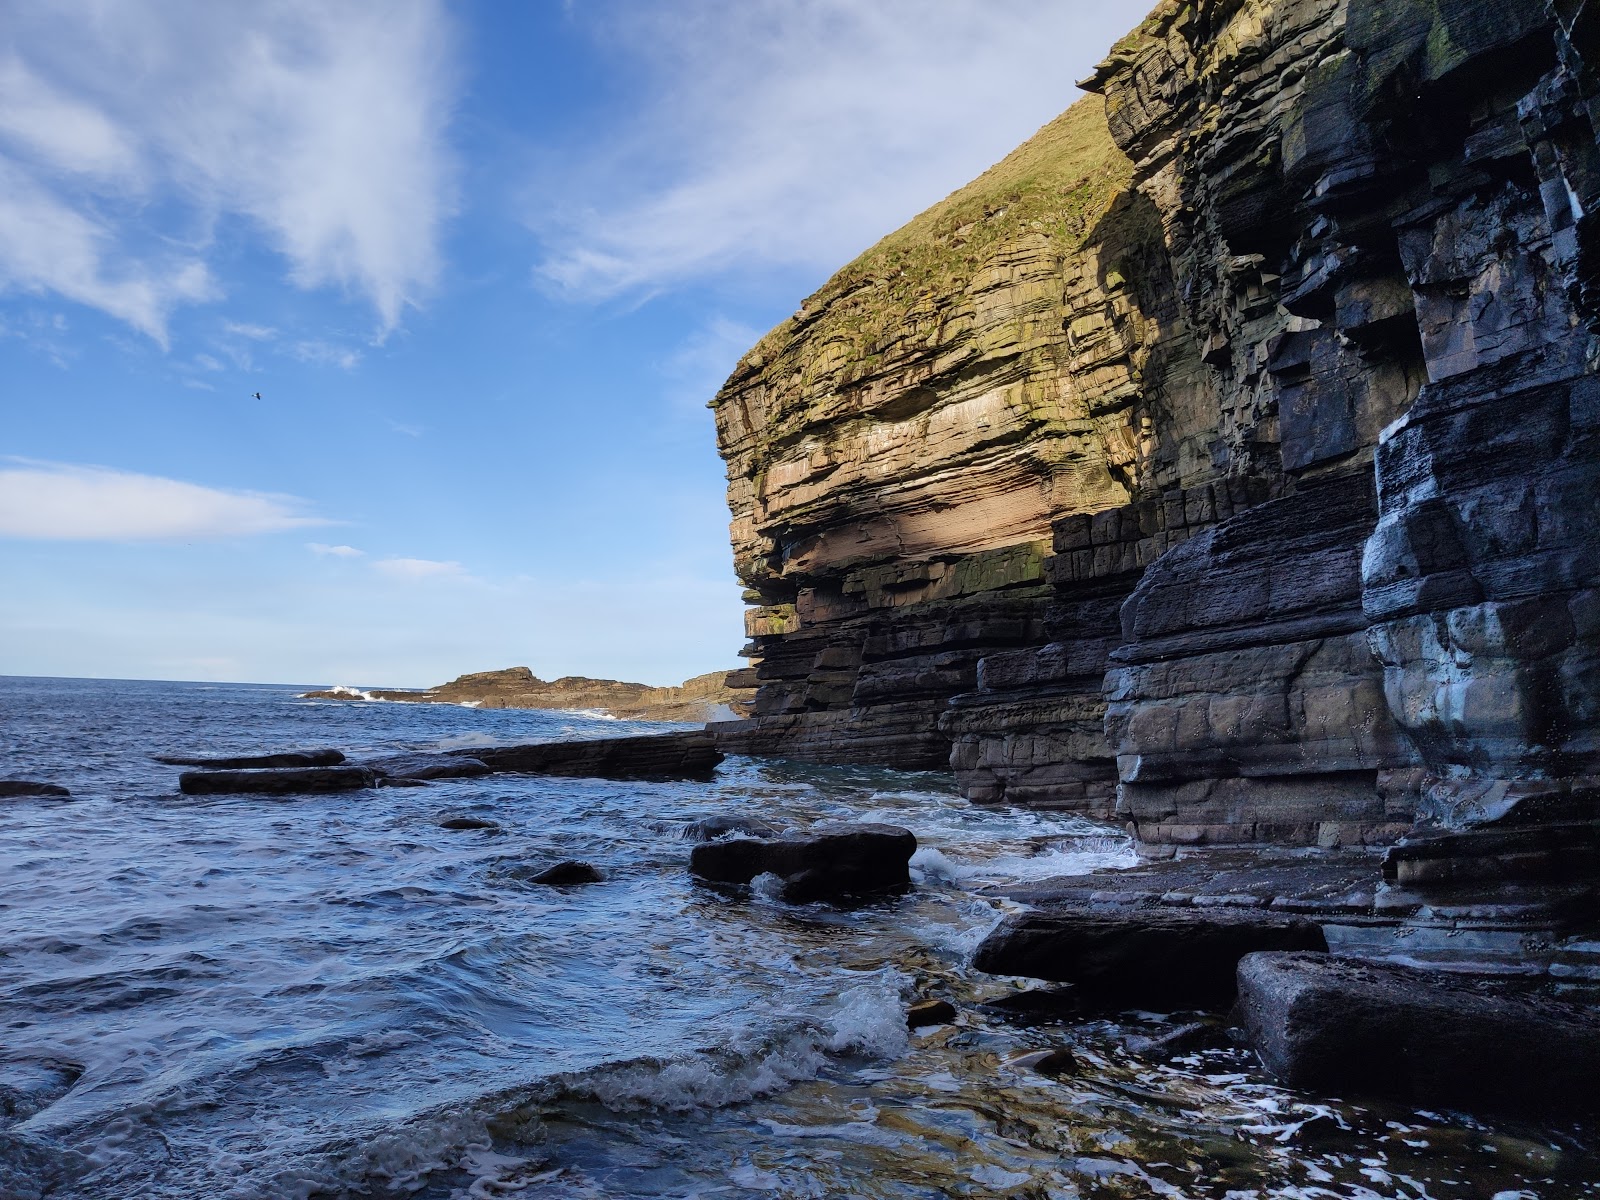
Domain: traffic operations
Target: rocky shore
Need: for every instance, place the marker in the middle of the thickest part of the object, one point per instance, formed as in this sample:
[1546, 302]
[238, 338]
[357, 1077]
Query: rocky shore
[708, 697]
[1225, 463]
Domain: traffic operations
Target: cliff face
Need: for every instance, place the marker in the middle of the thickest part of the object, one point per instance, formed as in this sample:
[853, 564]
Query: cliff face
[1226, 458]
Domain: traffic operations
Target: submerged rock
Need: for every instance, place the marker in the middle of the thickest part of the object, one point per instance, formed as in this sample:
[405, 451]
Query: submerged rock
[930, 1012]
[565, 874]
[1423, 1037]
[279, 782]
[709, 829]
[1161, 959]
[29, 787]
[688, 755]
[1060, 1061]
[244, 762]
[832, 862]
[467, 822]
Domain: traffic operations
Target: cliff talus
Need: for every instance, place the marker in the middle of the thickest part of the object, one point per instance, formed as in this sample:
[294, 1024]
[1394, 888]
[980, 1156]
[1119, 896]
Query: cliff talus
[1227, 458]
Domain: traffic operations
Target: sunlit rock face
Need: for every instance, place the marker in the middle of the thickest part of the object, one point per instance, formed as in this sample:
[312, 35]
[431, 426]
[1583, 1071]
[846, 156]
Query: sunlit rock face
[1227, 457]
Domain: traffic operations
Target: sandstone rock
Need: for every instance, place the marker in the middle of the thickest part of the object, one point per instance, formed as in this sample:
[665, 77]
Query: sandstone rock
[1424, 1038]
[427, 766]
[930, 1012]
[831, 862]
[292, 758]
[1159, 959]
[28, 787]
[691, 755]
[567, 874]
[277, 781]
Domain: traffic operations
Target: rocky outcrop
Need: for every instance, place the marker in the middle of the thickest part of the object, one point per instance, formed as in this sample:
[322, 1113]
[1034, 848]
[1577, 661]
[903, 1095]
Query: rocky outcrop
[830, 862]
[1226, 460]
[689, 755]
[704, 698]
[277, 781]
[245, 762]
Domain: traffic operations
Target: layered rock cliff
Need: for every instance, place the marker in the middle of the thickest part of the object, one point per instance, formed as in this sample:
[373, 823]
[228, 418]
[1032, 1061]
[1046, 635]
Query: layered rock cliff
[1225, 459]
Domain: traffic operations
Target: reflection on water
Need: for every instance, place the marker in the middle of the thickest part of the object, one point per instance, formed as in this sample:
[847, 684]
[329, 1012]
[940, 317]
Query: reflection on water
[334, 996]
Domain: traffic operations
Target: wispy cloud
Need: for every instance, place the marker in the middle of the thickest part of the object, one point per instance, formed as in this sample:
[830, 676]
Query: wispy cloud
[129, 132]
[325, 354]
[774, 133]
[702, 364]
[256, 333]
[334, 551]
[67, 502]
[421, 568]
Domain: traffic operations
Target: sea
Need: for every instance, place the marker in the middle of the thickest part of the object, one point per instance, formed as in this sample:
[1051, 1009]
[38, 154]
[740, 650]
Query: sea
[329, 996]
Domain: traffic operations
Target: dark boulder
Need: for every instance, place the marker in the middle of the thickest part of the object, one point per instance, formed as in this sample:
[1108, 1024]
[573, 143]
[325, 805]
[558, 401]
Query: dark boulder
[427, 766]
[246, 762]
[29, 787]
[467, 822]
[281, 782]
[1153, 958]
[930, 1012]
[709, 829]
[688, 755]
[832, 862]
[1476, 1043]
[564, 874]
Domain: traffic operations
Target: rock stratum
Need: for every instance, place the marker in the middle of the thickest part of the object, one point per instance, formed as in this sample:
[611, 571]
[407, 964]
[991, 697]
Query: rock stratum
[1224, 461]
[696, 701]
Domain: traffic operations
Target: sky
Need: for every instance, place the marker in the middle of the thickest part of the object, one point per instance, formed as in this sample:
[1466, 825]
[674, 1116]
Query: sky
[369, 341]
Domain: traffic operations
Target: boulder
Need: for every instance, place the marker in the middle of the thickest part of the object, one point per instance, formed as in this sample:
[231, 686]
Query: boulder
[1154, 958]
[277, 782]
[467, 822]
[292, 758]
[930, 1012]
[832, 862]
[687, 755]
[428, 766]
[564, 874]
[709, 829]
[29, 787]
[1422, 1037]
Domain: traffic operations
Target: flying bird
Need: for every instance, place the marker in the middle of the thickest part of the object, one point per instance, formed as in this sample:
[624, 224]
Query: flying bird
[258, 395]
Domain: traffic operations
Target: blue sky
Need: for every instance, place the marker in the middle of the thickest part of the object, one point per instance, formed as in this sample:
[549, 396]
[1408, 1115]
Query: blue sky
[484, 261]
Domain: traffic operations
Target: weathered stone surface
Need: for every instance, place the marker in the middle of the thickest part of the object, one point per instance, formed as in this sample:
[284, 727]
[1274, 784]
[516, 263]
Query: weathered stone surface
[709, 829]
[1426, 1038]
[244, 762]
[709, 697]
[690, 755]
[277, 781]
[1154, 958]
[427, 766]
[29, 787]
[831, 862]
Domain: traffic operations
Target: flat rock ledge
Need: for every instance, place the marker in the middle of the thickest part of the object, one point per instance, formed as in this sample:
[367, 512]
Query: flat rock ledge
[1338, 1025]
[283, 781]
[245, 762]
[691, 754]
[1160, 959]
[427, 766]
[831, 862]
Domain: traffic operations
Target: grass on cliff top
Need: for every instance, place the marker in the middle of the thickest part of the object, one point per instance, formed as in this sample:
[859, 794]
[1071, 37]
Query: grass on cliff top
[1059, 183]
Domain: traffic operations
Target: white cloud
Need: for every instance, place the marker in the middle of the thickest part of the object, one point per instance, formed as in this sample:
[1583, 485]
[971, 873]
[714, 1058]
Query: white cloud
[325, 354]
[129, 131]
[256, 333]
[61, 501]
[703, 363]
[334, 551]
[420, 568]
[774, 133]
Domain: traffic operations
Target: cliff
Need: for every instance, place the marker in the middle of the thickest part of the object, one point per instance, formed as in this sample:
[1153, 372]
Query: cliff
[698, 700]
[1225, 459]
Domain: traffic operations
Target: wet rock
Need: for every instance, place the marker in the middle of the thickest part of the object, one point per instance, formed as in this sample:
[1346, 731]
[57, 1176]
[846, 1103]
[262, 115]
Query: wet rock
[1480, 1044]
[564, 874]
[245, 762]
[468, 822]
[832, 862]
[29, 787]
[399, 781]
[278, 782]
[1153, 958]
[1038, 1005]
[428, 766]
[1185, 1039]
[930, 1012]
[709, 829]
[1059, 1061]
[688, 755]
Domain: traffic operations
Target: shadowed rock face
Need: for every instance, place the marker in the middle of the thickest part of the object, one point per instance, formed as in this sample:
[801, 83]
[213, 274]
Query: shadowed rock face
[1249, 486]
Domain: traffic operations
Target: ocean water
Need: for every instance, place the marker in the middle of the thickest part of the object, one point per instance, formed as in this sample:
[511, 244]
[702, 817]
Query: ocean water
[333, 996]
